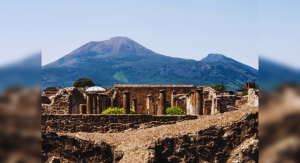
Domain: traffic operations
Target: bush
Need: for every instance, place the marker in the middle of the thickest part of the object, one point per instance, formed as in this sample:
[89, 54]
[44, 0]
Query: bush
[244, 93]
[50, 89]
[83, 82]
[231, 92]
[219, 87]
[116, 111]
[175, 111]
[80, 90]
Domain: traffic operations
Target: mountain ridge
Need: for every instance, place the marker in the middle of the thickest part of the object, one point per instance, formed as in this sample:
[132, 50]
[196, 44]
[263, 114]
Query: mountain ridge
[121, 60]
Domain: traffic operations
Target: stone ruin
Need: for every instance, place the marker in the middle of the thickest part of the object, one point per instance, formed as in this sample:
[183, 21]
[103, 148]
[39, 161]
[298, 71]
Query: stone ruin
[74, 130]
[146, 99]
[65, 101]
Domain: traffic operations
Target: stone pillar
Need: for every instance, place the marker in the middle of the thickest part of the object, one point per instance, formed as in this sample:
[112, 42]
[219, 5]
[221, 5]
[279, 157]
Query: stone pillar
[214, 103]
[148, 104]
[104, 102]
[192, 103]
[88, 104]
[94, 104]
[82, 109]
[126, 102]
[188, 104]
[98, 105]
[173, 98]
[134, 104]
[162, 102]
[199, 101]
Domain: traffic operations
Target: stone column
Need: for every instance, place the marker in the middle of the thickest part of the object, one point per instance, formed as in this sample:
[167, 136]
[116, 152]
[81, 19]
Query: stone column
[94, 104]
[172, 98]
[148, 104]
[162, 102]
[104, 102]
[199, 101]
[126, 102]
[188, 104]
[134, 104]
[98, 105]
[192, 102]
[213, 103]
[88, 104]
[82, 109]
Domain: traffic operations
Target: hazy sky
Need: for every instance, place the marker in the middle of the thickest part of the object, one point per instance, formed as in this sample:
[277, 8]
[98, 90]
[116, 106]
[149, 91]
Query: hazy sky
[20, 30]
[174, 28]
[279, 31]
[187, 29]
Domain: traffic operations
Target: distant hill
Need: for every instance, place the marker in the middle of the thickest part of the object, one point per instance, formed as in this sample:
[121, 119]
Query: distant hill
[272, 75]
[24, 73]
[121, 60]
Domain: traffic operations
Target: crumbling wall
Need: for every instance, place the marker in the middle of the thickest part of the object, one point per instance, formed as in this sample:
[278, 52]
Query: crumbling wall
[106, 123]
[140, 92]
[65, 101]
[212, 144]
[207, 107]
[60, 148]
[252, 97]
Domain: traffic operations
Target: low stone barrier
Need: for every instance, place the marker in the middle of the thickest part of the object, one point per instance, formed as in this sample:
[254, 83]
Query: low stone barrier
[106, 123]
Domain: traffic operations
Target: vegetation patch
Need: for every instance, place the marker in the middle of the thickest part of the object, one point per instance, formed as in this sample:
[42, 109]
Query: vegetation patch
[120, 76]
[116, 111]
[50, 89]
[175, 111]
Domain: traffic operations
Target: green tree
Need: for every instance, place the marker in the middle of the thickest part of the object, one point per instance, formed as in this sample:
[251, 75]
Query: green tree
[219, 87]
[50, 89]
[83, 82]
[231, 92]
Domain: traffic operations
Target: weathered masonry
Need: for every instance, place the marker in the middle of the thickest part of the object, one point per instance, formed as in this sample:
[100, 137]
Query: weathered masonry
[146, 99]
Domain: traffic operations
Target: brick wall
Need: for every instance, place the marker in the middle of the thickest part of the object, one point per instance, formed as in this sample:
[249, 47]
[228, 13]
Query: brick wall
[106, 123]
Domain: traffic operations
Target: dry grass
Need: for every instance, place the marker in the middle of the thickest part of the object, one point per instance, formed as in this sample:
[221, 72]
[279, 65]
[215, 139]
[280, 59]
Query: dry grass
[134, 143]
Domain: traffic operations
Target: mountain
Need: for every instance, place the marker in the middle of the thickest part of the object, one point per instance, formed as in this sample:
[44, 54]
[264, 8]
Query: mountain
[272, 75]
[24, 73]
[121, 60]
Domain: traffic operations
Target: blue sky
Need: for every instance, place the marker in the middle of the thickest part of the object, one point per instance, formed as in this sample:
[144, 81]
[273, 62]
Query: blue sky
[174, 28]
[279, 31]
[187, 29]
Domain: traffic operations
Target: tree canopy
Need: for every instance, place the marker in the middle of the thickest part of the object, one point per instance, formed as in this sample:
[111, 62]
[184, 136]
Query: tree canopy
[219, 87]
[83, 82]
[50, 89]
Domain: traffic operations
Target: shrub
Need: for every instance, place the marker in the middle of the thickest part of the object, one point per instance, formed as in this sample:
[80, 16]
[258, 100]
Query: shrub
[80, 90]
[244, 93]
[175, 111]
[83, 82]
[116, 111]
[50, 89]
[219, 87]
[231, 92]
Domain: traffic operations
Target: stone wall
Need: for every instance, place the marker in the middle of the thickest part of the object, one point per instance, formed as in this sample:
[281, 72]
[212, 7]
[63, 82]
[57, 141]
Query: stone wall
[140, 92]
[106, 123]
[235, 142]
[65, 101]
[252, 97]
[207, 107]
